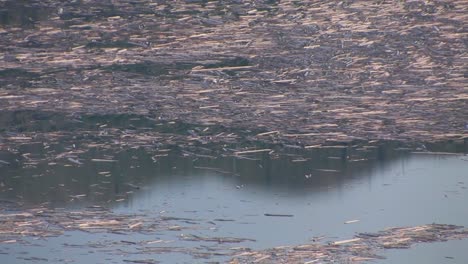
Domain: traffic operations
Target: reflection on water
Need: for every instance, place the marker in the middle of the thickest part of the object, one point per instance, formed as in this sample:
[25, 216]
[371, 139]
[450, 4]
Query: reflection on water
[411, 190]
[108, 182]
[379, 185]
[321, 188]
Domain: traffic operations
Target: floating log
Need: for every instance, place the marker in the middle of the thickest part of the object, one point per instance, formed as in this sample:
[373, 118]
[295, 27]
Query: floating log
[252, 151]
[279, 215]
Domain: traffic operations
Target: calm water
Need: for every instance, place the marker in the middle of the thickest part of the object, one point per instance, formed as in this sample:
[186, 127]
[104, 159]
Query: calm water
[379, 187]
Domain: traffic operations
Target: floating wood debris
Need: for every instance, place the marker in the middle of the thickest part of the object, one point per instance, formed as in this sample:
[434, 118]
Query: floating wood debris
[351, 221]
[364, 246]
[279, 215]
[286, 72]
[119, 75]
[341, 242]
[267, 133]
[43, 222]
[103, 160]
[190, 237]
[252, 151]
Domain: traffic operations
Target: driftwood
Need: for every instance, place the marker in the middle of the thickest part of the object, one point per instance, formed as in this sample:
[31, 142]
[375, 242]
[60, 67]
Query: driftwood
[225, 75]
[43, 223]
[300, 73]
[363, 247]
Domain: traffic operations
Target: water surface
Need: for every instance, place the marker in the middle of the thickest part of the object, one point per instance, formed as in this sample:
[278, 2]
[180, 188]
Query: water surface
[319, 190]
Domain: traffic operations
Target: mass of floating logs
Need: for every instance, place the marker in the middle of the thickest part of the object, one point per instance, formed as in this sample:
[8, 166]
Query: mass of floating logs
[364, 246]
[281, 71]
[44, 222]
[227, 75]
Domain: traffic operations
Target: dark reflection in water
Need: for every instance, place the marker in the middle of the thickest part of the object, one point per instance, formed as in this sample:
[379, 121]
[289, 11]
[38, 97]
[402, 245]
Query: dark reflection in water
[379, 184]
[321, 189]
[105, 182]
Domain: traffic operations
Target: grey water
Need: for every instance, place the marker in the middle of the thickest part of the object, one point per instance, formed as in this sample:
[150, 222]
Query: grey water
[319, 190]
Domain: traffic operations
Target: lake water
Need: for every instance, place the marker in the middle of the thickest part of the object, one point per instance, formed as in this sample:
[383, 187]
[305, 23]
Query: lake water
[319, 190]
[291, 198]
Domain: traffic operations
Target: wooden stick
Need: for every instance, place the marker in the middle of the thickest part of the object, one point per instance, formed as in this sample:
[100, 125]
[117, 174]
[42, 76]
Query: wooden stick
[252, 151]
